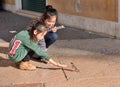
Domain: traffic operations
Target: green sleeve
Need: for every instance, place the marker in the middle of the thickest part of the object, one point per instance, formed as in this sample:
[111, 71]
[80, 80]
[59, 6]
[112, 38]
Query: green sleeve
[35, 47]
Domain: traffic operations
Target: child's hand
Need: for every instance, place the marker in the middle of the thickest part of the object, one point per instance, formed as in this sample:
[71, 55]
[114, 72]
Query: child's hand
[56, 64]
[54, 29]
[61, 65]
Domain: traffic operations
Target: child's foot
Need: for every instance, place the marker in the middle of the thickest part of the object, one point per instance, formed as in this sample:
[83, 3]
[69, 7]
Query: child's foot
[27, 66]
[43, 60]
[40, 59]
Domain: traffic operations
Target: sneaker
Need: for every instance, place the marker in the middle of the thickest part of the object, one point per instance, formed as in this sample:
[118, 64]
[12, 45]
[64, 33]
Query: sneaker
[27, 66]
[17, 64]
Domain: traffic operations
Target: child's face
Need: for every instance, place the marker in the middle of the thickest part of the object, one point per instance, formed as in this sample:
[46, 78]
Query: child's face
[40, 36]
[50, 22]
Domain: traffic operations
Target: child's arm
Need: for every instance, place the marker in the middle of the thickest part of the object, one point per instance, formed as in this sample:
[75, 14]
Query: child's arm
[54, 29]
[56, 64]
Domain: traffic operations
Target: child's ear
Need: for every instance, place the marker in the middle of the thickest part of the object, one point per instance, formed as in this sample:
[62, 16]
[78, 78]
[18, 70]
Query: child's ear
[35, 32]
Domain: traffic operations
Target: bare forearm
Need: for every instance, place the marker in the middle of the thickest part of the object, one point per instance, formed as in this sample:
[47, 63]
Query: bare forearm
[56, 64]
[53, 62]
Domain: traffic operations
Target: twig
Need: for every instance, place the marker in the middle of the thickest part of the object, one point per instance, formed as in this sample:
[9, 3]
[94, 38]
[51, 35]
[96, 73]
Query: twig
[64, 74]
[75, 68]
[63, 71]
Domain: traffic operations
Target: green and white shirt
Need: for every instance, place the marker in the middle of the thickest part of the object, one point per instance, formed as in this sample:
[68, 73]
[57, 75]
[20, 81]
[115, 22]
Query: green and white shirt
[21, 44]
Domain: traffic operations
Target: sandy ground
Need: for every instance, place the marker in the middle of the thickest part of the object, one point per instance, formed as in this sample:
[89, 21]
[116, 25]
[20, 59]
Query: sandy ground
[92, 71]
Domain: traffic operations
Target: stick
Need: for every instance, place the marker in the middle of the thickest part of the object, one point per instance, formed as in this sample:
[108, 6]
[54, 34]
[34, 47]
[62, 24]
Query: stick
[63, 71]
[75, 68]
[64, 74]
[59, 27]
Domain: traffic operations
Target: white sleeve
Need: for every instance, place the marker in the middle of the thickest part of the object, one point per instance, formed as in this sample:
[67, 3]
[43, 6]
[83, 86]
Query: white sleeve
[42, 44]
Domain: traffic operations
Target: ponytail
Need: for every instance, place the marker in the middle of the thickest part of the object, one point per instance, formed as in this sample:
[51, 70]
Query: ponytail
[49, 12]
[49, 7]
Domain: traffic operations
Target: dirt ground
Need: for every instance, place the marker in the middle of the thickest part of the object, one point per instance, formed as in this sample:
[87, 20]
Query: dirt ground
[90, 71]
[94, 71]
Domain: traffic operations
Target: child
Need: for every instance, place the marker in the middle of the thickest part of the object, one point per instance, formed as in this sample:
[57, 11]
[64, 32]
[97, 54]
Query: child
[24, 42]
[49, 18]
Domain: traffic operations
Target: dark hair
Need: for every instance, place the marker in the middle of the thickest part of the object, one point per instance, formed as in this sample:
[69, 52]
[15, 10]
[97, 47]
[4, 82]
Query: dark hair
[49, 7]
[49, 12]
[36, 25]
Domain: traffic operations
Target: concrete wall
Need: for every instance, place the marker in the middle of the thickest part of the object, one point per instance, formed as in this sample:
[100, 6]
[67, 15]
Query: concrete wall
[84, 14]
[12, 2]
[105, 23]
[9, 5]
[118, 24]
[96, 25]
[98, 9]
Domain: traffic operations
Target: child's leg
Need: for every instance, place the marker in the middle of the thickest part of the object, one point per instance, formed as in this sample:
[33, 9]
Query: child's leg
[32, 54]
[26, 58]
[50, 38]
[40, 59]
